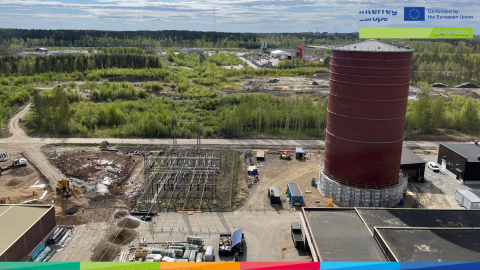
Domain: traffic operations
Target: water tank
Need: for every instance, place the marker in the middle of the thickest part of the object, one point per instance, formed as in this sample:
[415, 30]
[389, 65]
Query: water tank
[367, 104]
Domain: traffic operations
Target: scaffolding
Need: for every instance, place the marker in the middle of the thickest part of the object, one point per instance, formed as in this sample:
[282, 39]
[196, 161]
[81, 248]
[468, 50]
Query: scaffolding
[358, 196]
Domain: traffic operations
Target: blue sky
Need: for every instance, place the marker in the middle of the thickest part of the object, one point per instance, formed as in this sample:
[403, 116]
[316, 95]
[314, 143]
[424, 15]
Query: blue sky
[231, 15]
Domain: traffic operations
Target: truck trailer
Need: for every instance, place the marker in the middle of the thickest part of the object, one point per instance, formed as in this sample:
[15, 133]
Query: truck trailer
[230, 244]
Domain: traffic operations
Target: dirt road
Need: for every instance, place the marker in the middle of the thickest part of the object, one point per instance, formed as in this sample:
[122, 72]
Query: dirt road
[21, 143]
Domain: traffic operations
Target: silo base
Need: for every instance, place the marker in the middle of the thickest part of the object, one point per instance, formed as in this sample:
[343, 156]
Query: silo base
[361, 197]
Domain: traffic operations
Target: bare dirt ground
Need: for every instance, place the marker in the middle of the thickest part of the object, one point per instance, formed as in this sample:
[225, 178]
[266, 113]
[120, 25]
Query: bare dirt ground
[17, 183]
[102, 172]
[278, 86]
[275, 172]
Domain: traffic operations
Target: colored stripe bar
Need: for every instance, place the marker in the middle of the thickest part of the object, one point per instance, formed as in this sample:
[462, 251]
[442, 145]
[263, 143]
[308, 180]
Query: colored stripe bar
[440, 265]
[359, 266]
[279, 266]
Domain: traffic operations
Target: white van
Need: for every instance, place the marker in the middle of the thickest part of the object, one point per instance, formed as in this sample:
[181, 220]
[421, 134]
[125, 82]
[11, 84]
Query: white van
[209, 256]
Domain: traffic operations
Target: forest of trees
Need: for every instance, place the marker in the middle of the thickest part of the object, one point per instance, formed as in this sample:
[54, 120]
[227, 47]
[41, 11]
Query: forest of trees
[27, 65]
[427, 114]
[232, 116]
[448, 68]
[26, 38]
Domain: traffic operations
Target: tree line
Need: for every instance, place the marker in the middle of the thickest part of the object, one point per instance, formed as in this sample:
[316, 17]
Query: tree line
[429, 113]
[28, 38]
[27, 65]
[447, 68]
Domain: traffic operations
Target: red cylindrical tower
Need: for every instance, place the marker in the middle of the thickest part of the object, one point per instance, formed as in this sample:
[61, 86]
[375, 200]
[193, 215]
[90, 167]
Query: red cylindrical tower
[367, 105]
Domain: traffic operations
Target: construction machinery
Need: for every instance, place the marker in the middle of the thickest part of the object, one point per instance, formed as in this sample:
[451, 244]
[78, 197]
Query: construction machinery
[63, 186]
[285, 156]
[16, 163]
[4, 199]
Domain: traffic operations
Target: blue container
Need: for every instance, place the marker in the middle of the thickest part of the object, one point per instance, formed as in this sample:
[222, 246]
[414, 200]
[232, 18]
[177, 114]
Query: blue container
[313, 181]
[295, 194]
[402, 202]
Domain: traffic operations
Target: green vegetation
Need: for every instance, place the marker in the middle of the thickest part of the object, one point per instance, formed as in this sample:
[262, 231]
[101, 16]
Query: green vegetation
[68, 63]
[122, 50]
[30, 38]
[447, 68]
[428, 114]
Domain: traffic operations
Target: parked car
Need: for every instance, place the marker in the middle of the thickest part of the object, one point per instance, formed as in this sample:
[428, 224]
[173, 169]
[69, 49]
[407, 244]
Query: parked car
[433, 166]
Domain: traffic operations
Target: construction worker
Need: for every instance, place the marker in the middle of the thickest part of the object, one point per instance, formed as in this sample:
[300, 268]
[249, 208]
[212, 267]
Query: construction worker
[73, 185]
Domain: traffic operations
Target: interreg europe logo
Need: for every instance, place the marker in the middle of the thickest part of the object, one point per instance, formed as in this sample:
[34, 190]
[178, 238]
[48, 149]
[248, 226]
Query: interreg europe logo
[414, 14]
[375, 15]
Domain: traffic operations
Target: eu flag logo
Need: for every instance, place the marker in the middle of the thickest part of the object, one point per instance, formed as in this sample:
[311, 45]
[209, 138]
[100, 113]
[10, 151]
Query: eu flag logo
[414, 14]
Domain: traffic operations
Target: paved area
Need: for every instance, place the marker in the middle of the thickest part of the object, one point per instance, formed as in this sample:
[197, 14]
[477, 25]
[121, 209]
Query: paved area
[441, 184]
[267, 233]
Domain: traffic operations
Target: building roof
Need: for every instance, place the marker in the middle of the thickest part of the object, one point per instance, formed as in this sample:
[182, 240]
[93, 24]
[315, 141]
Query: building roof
[16, 219]
[295, 189]
[408, 157]
[298, 150]
[260, 153]
[468, 150]
[371, 45]
[341, 236]
[469, 195]
[397, 217]
[431, 244]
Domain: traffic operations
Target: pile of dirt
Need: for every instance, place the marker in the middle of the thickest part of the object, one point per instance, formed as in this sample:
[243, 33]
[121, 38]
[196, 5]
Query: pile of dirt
[13, 182]
[23, 171]
[128, 223]
[121, 236]
[121, 214]
[105, 252]
[106, 170]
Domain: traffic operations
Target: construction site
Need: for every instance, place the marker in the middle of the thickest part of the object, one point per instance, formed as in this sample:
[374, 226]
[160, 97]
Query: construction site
[358, 195]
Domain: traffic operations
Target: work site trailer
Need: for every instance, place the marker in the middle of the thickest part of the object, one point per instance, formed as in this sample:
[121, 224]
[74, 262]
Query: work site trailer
[295, 194]
[467, 199]
[274, 195]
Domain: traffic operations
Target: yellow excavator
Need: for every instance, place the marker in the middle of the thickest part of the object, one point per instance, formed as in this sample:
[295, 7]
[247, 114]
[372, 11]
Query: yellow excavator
[63, 186]
[285, 156]
[3, 200]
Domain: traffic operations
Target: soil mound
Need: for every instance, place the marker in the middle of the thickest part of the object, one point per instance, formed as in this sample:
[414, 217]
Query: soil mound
[105, 252]
[23, 171]
[13, 182]
[121, 214]
[128, 223]
[121, 236]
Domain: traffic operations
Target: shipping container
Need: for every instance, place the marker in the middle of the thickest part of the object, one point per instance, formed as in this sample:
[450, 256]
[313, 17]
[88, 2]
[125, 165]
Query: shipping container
[467, 199]
[295, 194]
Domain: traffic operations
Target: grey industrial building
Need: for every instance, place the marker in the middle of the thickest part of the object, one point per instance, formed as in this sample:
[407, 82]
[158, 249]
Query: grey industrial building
[392, 234]
[462, 160]
[412, 166]
[23, 228]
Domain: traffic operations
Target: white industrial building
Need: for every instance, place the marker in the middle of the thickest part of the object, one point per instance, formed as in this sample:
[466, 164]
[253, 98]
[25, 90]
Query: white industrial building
[280, 54]
[467, 199]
